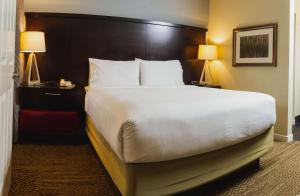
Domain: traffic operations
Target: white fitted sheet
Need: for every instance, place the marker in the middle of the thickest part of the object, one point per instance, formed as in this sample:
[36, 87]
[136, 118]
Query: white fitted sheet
[152, 124]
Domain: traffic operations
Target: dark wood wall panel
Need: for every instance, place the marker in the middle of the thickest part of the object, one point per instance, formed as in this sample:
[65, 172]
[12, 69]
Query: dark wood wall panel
[72, 38]
[102, 39]
[162, 42]
[52, 64]
[190, 40]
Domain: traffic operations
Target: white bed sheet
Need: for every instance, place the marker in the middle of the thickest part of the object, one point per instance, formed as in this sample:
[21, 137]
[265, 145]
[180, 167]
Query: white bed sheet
[152, 124]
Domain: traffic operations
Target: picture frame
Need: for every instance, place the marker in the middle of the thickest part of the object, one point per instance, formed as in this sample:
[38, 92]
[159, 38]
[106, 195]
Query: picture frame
[255, 45]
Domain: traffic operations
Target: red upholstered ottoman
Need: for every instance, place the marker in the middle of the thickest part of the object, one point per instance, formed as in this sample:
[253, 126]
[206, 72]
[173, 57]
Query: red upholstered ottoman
[39, 121]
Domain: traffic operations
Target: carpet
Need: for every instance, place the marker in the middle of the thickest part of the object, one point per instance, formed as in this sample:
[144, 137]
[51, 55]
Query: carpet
[58, 170]
[76, 170]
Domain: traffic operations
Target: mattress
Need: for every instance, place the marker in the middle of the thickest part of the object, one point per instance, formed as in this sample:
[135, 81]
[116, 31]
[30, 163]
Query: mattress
[152, 124]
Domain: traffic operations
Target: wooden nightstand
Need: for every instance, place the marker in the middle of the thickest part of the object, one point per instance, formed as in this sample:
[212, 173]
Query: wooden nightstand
[209, 86]
[51, 110]
[196, 83]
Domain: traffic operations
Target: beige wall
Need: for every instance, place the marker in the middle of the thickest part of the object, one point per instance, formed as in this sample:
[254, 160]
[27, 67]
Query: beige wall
[224, 16]
[189, 12]
[297, 60]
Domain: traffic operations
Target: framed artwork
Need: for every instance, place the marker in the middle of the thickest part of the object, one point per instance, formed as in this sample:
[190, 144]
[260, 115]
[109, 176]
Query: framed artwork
[255, 46]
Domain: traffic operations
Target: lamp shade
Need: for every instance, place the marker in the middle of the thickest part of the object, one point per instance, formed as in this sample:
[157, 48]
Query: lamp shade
[32, 41]
[208, 52]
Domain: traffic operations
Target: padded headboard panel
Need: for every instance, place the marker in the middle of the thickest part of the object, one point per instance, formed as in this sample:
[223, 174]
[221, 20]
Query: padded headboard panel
[72, 38]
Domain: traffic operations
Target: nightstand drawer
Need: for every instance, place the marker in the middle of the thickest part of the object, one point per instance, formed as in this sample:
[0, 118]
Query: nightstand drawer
[47, 98]
[40, 121]
[50, 110]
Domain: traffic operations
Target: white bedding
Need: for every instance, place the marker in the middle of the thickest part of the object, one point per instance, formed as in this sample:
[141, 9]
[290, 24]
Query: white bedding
[151, 124]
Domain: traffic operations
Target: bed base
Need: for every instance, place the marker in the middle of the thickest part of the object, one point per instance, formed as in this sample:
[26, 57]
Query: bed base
[169, 177]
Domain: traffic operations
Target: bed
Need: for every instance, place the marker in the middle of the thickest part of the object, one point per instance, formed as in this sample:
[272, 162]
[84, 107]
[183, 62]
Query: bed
[185, 137]
[157, 172]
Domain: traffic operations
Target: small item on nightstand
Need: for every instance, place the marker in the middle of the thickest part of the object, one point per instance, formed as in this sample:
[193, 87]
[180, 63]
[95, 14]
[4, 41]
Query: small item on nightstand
[194, 82]
[62, 82]
[66, 84]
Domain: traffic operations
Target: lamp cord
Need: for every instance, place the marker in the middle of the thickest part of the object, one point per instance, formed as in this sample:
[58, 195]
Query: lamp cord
[49, 83]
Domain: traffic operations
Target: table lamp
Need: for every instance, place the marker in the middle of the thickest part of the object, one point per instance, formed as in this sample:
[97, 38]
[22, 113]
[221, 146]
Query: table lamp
[207, 53]
[32, 42]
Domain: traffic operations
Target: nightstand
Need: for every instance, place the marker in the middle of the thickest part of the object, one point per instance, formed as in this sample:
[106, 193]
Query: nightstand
[50, 110]
[209, 86]
[196, 83]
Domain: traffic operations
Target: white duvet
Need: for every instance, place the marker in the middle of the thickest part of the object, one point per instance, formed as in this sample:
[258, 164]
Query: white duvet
[146, 124]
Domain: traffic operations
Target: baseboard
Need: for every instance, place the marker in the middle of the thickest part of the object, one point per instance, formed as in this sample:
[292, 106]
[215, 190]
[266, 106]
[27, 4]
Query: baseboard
[284, 138]
[7, 181]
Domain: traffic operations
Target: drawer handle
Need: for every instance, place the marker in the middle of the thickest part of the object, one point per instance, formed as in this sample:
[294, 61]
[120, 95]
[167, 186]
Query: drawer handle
[53, 94]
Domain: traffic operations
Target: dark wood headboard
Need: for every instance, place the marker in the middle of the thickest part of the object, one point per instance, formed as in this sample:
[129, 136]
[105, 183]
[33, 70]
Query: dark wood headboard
[72, 38]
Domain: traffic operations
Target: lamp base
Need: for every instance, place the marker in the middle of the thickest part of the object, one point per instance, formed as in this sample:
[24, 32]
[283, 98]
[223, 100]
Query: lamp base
[34, 83]
[205, 83]
[32, 76]
[206, 74]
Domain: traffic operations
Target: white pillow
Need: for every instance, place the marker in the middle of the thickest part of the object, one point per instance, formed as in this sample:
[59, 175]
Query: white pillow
[161, 73]
[107, 73]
